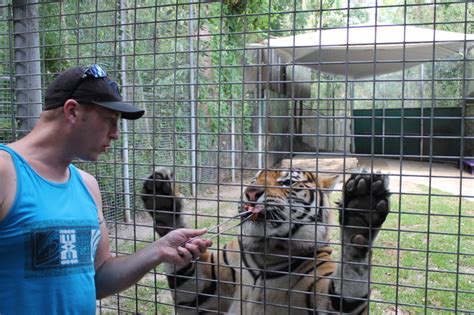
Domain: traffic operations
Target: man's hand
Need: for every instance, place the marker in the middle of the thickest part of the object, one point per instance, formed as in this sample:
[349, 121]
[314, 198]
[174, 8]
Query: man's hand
[181, 246]
[117, 273]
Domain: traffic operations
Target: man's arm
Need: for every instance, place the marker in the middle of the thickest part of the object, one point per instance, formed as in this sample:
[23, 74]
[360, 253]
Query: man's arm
[114, 274]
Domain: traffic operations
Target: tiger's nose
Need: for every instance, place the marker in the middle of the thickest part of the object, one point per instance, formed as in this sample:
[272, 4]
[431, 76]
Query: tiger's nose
[253, 193]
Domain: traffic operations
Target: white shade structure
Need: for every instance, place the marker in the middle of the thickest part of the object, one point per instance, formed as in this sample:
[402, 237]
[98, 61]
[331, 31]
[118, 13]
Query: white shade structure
[364, 51]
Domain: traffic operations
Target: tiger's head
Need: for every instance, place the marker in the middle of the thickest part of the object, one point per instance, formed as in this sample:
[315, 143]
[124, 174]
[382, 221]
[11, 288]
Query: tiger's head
[289, 209]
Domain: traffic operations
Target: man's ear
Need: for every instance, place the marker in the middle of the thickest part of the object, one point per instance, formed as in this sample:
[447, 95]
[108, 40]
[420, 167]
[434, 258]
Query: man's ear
[70, 110]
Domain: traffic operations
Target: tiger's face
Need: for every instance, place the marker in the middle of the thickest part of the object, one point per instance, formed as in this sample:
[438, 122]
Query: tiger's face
[289, 209]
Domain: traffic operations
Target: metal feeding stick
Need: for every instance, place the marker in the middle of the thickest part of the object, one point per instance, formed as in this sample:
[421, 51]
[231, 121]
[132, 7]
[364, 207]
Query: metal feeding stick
[216, 227]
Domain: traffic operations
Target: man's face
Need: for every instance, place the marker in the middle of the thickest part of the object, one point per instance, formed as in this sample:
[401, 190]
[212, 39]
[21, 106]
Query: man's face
[96, 128]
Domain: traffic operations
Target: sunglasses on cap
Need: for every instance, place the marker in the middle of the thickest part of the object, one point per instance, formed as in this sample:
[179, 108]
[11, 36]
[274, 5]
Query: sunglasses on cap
[93, 71]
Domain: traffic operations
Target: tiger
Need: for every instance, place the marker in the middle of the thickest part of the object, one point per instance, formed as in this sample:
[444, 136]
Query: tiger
[281, 262]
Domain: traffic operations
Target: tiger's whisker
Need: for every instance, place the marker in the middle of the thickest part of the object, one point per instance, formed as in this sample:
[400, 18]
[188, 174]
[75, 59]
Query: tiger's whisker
[298, 210]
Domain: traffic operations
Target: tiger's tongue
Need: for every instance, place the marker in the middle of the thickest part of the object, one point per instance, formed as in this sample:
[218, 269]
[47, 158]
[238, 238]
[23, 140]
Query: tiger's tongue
[254, 210]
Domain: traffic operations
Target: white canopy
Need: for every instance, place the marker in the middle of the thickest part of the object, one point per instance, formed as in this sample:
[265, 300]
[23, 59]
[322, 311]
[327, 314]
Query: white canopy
[364, 51]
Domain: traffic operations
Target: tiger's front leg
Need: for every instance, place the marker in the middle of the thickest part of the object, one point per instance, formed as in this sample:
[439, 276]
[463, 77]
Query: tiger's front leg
[364, 208]
[207, 285]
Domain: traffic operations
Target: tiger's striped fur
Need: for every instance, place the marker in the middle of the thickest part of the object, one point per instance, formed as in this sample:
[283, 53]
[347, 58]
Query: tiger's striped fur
[281, 263]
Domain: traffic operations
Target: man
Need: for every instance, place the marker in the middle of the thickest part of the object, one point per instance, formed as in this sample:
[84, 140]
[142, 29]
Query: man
[54, 245]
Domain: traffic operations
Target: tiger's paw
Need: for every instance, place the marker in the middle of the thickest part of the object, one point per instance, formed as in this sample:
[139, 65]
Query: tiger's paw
[162, 200]
[364, 209]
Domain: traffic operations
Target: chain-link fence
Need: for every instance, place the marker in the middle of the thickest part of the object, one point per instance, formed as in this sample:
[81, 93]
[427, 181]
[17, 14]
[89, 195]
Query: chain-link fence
[233, 87]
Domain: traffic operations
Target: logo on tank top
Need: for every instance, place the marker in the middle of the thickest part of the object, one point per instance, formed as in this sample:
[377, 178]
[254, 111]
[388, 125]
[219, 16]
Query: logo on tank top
[60, 248]
[67, 239]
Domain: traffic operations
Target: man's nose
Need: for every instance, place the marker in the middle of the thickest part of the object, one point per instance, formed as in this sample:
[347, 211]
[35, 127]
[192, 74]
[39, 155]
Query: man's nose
[114, 133]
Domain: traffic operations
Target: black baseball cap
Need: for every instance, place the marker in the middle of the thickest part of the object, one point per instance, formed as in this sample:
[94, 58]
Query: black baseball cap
[89, 85]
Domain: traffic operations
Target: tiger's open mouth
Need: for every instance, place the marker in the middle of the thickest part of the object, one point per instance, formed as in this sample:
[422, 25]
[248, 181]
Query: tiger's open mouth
[254, 211]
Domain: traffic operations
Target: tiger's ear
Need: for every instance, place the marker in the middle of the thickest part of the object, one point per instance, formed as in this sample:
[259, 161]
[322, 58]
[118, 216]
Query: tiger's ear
[328, 181]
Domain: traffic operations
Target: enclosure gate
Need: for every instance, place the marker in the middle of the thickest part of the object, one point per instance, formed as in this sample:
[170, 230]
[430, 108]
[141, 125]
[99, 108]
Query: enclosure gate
[233, 87]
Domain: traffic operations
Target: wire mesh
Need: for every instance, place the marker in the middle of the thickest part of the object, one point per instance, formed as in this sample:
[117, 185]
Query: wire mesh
[222, 103]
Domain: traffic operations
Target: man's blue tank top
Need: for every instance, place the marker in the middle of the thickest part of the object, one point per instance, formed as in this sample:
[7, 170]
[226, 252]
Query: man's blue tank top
[48, 242]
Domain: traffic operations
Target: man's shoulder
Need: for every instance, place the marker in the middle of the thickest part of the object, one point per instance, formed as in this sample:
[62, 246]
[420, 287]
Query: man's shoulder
[7, 184]
[89, 179]
[92, 185]
[7, 153]
[6, 162]
[83, 173]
